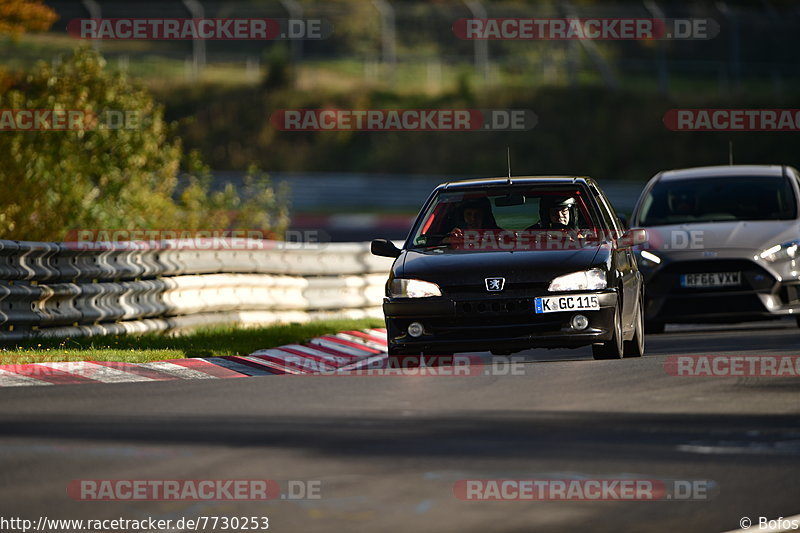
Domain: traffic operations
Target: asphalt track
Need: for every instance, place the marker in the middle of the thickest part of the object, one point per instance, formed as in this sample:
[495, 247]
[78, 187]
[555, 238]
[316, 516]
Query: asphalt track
[388, 450]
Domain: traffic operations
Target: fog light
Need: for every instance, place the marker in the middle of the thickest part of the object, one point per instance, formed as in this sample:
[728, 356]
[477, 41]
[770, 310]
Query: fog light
[579, 322]
[415, 329]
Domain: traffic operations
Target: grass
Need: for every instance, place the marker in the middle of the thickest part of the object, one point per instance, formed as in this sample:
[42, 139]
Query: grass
[209, 342]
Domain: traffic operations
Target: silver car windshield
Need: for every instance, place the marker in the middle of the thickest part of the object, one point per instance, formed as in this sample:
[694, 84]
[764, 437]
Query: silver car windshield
[706, 200]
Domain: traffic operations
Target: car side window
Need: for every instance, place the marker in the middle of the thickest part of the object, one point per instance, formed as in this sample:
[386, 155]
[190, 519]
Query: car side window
[607, 212]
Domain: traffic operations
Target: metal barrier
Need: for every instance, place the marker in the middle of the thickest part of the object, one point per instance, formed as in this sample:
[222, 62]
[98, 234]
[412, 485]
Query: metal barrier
[72, 289]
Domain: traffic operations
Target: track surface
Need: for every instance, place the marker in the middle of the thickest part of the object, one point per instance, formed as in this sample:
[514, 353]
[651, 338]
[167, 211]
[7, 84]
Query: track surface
[389, 449]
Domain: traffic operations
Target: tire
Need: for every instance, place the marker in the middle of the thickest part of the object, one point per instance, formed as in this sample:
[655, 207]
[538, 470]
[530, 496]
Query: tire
[798, 321]
[635, 346]
[651, 326]
[612, 348]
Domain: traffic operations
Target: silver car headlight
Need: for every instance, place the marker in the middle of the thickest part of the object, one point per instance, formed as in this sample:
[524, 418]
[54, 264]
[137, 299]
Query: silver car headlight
[413, 288]
[586, 280]
[781, 252]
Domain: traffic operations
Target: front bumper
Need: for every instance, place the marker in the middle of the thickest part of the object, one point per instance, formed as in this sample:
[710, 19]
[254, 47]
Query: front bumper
[493, 322]
[761, 294]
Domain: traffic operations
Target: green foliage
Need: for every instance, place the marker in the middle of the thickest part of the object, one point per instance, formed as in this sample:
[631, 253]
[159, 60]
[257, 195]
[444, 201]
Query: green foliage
[112, 178]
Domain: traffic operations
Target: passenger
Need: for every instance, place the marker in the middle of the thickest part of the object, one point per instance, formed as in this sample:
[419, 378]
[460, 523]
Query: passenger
[475, 214]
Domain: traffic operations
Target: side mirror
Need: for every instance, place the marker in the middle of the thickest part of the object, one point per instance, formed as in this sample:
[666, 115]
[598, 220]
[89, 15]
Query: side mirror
[384, 248]
[632, 237]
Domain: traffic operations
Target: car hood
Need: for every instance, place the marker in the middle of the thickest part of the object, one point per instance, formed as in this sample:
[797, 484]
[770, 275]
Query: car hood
[450, 268]
[741, 235]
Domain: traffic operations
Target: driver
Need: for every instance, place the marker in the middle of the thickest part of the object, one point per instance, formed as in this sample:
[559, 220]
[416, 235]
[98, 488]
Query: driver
[556, 213]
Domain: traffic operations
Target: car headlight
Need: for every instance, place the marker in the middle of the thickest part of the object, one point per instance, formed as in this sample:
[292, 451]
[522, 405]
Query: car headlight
[649, 258]
[781, 252]
[414, 288]
[585, 280]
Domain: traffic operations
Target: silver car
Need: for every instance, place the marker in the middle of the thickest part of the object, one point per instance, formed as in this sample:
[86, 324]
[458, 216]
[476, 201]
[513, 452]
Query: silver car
[723, 244]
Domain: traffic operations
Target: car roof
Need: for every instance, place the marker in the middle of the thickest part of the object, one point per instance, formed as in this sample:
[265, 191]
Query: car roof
[516, 180]
[722, 171]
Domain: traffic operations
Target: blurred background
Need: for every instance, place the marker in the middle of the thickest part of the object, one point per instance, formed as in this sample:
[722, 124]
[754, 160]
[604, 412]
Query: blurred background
[209, 157]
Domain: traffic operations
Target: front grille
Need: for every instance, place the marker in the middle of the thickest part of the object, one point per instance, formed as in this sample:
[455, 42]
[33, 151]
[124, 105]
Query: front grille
[790, 294]
[505, 306]
[668, 279]
[723, 304]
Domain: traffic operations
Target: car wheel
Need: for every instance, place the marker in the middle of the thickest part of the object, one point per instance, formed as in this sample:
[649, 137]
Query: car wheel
[635, 346]
[612, 348]
[798, 321]
[651, 326]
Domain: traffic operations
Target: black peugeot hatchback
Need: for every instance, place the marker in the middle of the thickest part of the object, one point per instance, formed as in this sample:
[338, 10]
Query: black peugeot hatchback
[508, 264]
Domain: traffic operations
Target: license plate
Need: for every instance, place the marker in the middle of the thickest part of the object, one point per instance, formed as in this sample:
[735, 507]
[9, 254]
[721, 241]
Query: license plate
[711, 279]
[574, 302]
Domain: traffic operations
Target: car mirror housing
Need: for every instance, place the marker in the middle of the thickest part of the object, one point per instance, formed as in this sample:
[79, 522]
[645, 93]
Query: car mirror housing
[632, 237]
[384, 248]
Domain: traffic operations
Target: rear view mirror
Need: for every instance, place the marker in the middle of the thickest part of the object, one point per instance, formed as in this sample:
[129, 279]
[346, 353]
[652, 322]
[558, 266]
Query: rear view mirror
[509, 200]
[384, 248]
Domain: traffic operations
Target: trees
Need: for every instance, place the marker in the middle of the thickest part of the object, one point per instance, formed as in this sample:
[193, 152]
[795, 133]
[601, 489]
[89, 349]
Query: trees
[112, 175]
[20, 16]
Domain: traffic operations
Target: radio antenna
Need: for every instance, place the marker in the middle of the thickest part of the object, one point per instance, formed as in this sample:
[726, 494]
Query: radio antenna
[730, 152]
[508, 158]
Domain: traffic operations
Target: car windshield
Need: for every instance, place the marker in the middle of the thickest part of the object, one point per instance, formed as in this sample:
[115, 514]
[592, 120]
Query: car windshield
[484, 220]
[707, 200]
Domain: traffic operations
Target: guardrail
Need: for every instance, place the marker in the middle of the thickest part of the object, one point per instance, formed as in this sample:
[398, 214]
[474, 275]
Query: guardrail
[72, 289]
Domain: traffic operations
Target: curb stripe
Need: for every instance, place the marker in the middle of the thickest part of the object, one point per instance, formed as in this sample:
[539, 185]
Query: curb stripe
[12, 379]
[206, 366]
[351, 344]
[43, 372]
[323, 357]
[375, 338]
[289, 354]
[342, 348]
[362, 341]
[137, 369]
[177, 371]
[295, 364]
[242, 367]
[365, 362]
[90, 370]
[334, 353]
[321, 351]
